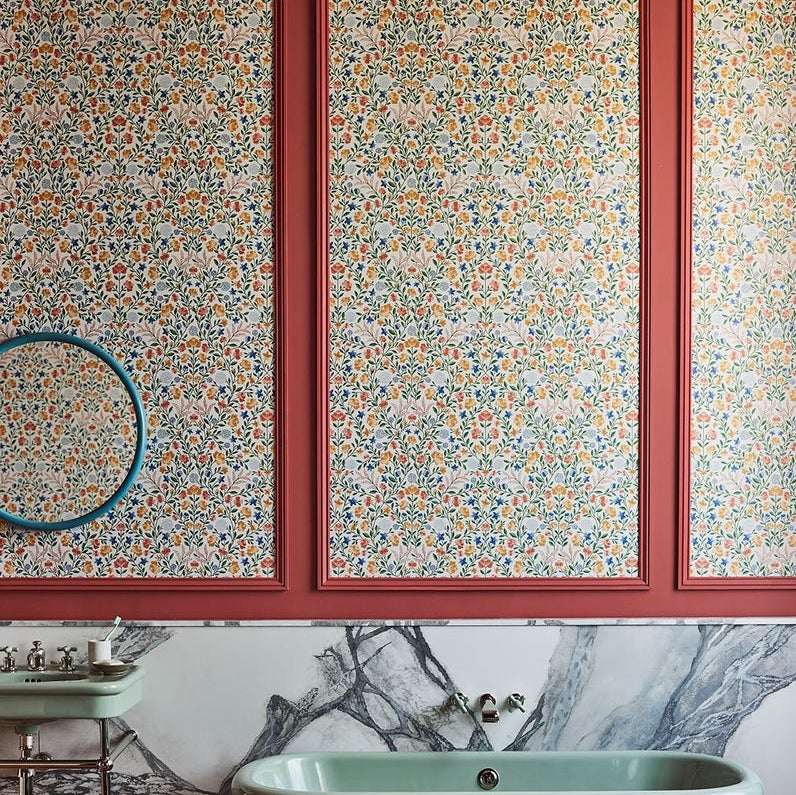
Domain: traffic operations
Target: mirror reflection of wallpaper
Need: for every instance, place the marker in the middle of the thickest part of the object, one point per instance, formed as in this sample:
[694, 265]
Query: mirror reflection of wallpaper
[743, 420]
[484, 289]
[136, 208]
[68, 431]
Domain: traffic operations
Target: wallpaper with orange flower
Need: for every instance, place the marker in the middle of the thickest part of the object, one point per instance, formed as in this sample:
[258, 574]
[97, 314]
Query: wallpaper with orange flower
[743, 420]
[136, 207]
[484, 288]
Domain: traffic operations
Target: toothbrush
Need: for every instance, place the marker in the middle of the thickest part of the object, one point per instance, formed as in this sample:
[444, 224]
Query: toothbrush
[116, 622]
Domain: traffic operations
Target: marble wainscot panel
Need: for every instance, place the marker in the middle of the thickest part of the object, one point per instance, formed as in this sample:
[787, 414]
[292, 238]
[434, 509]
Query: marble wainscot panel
[217, 696]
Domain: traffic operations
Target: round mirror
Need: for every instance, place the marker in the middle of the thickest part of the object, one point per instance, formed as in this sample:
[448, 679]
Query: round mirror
[72, 431]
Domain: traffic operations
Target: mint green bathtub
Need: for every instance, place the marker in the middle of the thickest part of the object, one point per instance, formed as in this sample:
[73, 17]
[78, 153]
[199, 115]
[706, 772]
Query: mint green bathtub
[542, 773]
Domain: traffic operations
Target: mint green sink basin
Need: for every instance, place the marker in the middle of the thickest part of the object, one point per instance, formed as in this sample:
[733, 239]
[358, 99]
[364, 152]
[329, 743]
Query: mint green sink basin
[31, 697]
[540, 773]
[32, 677]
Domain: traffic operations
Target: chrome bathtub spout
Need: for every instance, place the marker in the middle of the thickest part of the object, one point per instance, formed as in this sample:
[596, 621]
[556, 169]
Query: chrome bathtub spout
[489, 710]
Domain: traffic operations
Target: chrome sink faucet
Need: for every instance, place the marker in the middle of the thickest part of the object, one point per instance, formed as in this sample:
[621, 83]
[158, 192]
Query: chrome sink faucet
[37, 657]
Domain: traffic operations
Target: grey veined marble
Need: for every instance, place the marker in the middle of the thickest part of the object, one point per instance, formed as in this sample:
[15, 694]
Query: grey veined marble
[385, 687]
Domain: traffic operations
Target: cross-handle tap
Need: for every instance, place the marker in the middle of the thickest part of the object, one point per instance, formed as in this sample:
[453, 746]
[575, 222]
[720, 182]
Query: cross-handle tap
[37, 657]
[9, 663]
[489, 710]
[67, 664]
[516, 701]
[458, 701]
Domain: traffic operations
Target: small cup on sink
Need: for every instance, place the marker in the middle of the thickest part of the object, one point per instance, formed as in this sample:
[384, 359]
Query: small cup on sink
[99, 650]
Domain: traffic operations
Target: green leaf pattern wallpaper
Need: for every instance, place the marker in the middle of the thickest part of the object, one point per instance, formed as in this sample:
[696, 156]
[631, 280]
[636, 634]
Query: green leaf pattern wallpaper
[743, 417]
[484, 225]
[136, 206]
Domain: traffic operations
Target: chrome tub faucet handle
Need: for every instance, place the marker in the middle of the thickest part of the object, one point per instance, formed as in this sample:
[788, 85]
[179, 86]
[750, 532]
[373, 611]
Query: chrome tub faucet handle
[459, 701]
[516, 701]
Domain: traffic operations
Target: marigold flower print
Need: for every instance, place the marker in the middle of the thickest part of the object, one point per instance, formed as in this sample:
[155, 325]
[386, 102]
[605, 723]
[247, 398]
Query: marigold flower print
[743, 370]
[484, 288]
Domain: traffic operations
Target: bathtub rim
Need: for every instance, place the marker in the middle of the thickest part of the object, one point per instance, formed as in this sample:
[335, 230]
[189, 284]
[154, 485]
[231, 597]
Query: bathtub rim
[245, 783]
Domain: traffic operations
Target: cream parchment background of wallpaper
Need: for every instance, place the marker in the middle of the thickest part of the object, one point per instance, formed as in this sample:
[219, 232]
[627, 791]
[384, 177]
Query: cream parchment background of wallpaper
[136, 211]
[743, 418]
[484, 272]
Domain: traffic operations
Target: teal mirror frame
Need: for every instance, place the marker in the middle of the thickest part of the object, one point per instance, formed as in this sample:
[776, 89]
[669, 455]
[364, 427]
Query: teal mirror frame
[140, 419]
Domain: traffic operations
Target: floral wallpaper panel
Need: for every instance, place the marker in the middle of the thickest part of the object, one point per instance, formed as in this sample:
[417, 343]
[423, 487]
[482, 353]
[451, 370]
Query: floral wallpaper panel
[484, 288]
[743, 421]
[136, 211]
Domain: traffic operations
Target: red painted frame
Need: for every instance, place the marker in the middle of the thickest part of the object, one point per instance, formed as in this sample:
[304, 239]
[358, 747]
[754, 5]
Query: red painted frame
[686, 579]
[300, 458]
[592, 584]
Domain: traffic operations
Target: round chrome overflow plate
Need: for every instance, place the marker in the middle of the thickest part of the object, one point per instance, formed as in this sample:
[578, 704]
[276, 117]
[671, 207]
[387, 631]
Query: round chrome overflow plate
[488, 778]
